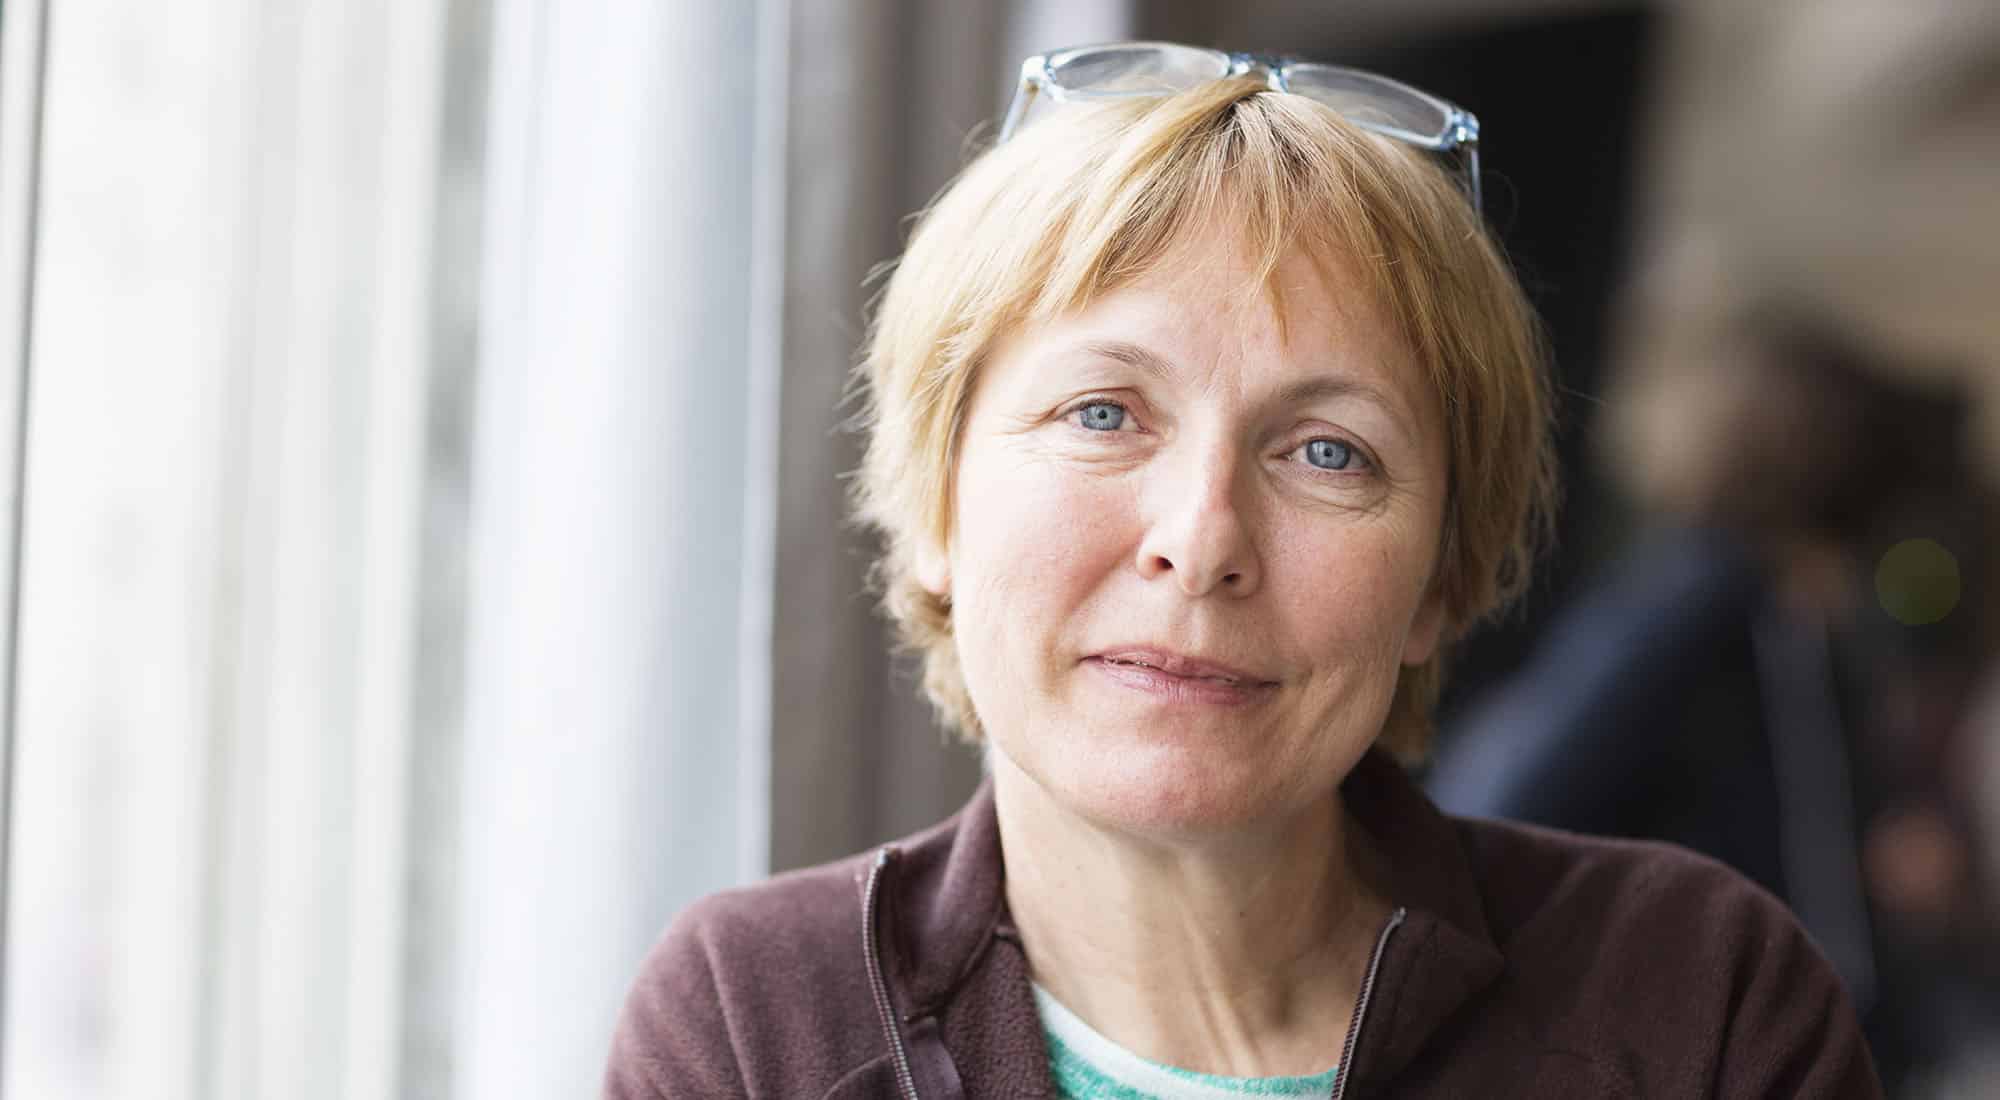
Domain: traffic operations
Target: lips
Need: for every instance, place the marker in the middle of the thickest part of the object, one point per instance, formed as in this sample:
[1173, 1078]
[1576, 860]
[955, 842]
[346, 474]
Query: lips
[1175, 680]
[1174, 664]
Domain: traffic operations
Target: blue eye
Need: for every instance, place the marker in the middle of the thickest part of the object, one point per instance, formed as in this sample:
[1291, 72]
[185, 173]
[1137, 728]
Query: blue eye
[1329, 454]
[1101, 416]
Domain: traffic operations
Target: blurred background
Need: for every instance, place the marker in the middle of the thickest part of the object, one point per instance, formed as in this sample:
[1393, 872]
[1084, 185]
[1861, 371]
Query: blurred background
[424, 567]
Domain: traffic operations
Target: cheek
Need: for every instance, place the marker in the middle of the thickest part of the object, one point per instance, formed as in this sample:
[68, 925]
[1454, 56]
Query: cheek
[1349, 588]
[1028, 528]
[1035, 547]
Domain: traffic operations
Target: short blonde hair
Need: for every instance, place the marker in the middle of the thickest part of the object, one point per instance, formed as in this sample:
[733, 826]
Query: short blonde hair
[1084, 202]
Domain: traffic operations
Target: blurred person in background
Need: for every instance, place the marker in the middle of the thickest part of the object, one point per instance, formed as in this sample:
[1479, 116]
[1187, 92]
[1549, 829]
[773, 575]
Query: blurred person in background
[1204, 418]
[1778, 674]
[1787, 669]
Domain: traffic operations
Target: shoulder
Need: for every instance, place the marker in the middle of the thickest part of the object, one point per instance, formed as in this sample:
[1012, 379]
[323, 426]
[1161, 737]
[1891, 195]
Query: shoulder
[759, 990]
[766, 990]
[792, 919]
[1682, 917]
[1529, 873]
[1670, 954]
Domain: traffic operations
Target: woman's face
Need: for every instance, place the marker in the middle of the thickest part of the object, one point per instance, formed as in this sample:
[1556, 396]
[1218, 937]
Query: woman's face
[1190, 555]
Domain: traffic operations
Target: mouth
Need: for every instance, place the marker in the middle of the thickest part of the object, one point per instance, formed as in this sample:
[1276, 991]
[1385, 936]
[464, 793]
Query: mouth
[1180, 678]
[1174, 664]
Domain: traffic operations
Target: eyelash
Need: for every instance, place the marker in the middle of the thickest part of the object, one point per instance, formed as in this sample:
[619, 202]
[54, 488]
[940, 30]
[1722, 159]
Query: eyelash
[1354, 450]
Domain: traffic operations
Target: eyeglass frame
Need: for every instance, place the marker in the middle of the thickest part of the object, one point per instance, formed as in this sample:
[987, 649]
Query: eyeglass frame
[1460, 136]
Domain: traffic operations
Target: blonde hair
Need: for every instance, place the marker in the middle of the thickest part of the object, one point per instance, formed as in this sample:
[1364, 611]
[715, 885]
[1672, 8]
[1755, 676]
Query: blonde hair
[1086, 201]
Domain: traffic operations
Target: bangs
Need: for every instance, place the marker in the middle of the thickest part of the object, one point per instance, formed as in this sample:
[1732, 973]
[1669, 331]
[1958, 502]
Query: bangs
[1277, 170]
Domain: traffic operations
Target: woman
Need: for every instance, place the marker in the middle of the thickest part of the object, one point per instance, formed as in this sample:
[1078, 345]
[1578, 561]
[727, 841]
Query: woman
[1204, 416]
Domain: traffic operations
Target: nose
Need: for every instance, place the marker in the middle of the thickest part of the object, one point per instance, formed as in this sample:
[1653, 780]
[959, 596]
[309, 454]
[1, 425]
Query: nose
[1197, 533]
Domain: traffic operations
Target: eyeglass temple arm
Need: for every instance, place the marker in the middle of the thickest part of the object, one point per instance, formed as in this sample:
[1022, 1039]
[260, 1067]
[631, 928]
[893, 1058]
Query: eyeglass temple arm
[1034, 74]
[1472, 177]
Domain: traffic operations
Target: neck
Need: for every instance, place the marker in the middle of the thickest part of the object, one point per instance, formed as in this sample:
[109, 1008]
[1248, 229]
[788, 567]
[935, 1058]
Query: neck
[1238, 954]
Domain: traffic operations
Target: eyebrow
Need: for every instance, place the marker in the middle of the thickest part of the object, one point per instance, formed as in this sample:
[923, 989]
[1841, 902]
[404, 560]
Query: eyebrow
[1132, 355]
[1297, 393]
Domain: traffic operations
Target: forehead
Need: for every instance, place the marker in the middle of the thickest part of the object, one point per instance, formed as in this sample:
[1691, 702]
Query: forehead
[1210, 300]
[1302, 300]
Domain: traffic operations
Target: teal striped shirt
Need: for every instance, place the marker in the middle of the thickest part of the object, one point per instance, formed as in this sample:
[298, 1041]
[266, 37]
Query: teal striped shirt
[1089, 1066]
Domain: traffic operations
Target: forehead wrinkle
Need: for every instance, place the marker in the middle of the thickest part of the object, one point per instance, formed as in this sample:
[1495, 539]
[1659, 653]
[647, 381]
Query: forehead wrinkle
[1311, 389]
[1160, 368]
[1299, 392]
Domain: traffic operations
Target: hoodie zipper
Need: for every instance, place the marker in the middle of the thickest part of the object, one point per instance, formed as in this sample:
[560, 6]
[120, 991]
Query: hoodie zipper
[1361, 1004]
[871, 909]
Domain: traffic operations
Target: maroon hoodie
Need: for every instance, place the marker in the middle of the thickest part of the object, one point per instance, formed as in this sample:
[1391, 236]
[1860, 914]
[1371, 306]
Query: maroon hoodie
[1520, 962]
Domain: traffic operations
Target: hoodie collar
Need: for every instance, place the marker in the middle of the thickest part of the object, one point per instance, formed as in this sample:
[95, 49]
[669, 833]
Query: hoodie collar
[1444, 955]
[951, 904]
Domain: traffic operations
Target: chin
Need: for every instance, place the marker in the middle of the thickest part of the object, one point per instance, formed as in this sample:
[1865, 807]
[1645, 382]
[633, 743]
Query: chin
[1166, 789]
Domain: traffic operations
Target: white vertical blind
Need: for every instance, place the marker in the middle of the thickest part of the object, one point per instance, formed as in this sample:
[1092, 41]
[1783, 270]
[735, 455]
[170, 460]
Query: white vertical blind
[604, 783]
[224, 703]
[224, 456]
[21, 49]
[138, 302]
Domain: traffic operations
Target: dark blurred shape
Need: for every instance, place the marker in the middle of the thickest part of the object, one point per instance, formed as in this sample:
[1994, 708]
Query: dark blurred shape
[1793, 666]
[1739, 684]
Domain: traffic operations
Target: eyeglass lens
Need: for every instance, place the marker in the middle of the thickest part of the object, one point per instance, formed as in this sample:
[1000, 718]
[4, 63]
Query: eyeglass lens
[1140, 68]
[1372, 102]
